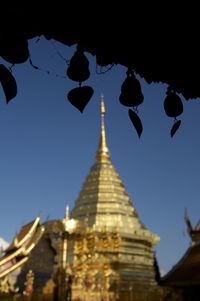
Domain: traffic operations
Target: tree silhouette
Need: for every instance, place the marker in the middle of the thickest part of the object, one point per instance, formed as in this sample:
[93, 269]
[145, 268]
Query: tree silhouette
[154, 46]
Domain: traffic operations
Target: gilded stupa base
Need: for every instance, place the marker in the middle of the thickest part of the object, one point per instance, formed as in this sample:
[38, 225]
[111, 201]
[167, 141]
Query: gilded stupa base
[140, 293]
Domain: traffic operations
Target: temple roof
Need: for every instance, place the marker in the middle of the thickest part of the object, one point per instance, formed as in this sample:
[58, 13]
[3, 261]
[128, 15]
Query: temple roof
[186, 271]
[103, 199]
[17, 253]
[24, 233]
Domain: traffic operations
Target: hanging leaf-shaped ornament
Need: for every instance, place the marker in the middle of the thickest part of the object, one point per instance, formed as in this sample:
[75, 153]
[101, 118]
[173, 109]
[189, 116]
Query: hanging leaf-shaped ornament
[8, 83]
[136, 122]
[79, 97]
[175, 127]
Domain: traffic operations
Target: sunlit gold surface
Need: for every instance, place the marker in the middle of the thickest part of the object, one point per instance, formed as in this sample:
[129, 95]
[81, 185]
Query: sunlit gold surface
[104, 201]
[103, 245]
[7, 285]
[105, 204]
[103, 154]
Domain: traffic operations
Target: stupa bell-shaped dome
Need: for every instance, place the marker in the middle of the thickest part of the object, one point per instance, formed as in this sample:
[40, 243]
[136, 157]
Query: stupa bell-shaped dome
[103, 200]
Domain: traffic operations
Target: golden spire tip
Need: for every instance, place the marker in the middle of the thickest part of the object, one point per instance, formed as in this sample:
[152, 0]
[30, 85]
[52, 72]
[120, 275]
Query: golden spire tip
[102, 105]
[103, 154]
[67, 212]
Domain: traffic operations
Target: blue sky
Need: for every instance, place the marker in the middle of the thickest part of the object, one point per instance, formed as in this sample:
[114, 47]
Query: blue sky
[48, 147]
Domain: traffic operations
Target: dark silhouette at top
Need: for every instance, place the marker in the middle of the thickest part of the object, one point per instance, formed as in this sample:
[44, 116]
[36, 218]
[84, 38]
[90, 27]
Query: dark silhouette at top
[157, 46]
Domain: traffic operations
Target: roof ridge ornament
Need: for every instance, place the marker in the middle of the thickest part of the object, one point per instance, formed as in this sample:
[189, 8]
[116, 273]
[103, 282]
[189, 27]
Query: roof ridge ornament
[103, 153]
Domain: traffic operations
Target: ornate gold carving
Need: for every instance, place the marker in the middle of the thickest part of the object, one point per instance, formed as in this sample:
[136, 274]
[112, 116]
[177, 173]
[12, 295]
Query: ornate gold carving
[29, 283]
[7, 285]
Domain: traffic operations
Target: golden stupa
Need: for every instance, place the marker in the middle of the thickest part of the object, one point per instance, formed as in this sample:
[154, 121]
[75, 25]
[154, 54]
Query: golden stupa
[122, 254]
[101, 252]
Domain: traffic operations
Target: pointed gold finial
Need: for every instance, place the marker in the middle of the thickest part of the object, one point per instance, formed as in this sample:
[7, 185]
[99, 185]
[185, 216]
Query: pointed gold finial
[102, 106]
[66, 212]
[103, 154]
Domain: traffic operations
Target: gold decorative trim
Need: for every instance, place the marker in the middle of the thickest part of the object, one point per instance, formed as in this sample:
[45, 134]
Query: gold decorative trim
[12, 268]
[8, 258]
[22, 250]
[28, 250]
[28, 235]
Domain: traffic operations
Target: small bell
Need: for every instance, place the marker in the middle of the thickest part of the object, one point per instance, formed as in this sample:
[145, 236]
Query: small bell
[173, 104]
[78, 69]
[131, 93]
[173, 107]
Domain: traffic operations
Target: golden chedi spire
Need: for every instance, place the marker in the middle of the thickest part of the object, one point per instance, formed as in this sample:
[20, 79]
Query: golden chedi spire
[103, 197]
[104, 203]
[103, 154]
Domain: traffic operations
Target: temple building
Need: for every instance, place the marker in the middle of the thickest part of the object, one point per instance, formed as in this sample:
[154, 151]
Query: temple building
[184, 277]
[102, 251]
[17, 254]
